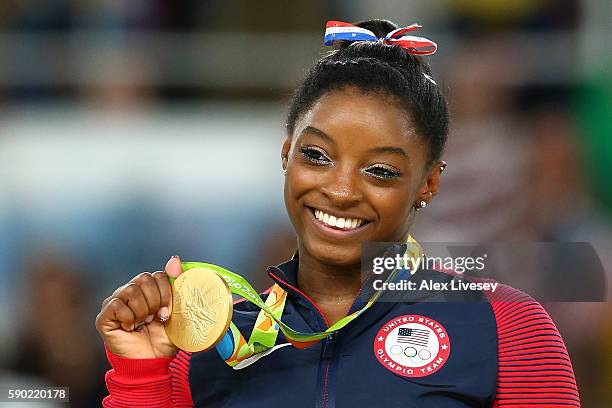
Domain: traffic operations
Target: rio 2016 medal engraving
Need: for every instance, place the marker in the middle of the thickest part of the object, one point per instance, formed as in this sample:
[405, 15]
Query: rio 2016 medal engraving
[201, 310]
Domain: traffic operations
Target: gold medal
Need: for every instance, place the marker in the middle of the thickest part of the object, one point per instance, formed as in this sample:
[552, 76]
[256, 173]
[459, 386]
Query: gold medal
[201, 310]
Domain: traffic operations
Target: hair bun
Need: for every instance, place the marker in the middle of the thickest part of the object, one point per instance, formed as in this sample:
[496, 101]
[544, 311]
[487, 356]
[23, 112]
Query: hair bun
[379, 27]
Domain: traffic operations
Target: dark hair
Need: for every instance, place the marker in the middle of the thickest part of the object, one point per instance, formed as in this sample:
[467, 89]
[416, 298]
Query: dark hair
[386, 69]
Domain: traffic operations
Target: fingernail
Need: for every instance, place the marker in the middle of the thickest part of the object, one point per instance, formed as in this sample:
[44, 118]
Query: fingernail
[172, 260]
[173, 266]
[164, 314]
[149, 318]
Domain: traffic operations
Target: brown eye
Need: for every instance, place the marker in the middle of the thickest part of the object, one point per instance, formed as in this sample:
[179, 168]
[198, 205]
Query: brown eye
[382, 173]
[314, 155]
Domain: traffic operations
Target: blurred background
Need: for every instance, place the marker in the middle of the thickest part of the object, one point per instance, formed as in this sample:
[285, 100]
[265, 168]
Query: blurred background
[134, 130]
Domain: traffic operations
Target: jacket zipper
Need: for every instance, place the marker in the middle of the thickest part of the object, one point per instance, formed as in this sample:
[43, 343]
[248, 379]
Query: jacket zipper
[327, 356]
[325, 384]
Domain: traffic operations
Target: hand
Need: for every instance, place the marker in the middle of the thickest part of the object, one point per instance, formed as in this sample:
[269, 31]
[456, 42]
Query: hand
[131, 321]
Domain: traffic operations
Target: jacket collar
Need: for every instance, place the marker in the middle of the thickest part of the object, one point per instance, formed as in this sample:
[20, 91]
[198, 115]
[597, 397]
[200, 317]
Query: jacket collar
[285, 274]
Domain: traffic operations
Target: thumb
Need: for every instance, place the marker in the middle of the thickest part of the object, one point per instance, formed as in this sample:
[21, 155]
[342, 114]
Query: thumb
[173, 270]
[173, 267]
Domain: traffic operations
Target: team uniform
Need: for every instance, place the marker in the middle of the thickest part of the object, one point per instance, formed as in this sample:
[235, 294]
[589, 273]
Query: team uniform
[485, 349]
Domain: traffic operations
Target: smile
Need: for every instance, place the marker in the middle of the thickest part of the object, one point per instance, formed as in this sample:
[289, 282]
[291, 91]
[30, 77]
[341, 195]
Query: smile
[336, 221]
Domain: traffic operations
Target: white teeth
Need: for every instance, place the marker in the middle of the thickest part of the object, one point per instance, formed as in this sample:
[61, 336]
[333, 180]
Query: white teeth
[333, 221]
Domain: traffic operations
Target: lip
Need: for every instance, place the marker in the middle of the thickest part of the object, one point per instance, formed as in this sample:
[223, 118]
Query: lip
[337, 233]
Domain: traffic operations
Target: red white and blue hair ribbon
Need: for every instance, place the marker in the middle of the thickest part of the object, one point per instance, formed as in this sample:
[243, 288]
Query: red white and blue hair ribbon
[339, 30]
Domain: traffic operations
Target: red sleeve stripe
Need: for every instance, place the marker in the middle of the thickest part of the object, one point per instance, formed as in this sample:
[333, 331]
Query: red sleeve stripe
[535, 351]
[550, 394]
[542, 332]
[554, 392]
[540, 321]
[531, 404]
[522, 318]
[541, 355]
[537, 341]
[543, 360]
[522, 309]
[181, 392]
[511, 380]
[550, 403]
[550, 386]
[521, 386]
[534, 368]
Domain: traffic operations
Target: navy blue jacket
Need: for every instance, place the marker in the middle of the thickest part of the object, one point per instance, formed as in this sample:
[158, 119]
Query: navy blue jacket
[498, 351]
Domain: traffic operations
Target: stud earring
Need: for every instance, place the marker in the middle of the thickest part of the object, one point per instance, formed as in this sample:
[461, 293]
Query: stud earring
[283, 158]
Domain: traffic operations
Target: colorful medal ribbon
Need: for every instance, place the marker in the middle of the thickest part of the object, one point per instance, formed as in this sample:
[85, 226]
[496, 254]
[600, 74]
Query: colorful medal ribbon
[234, 348]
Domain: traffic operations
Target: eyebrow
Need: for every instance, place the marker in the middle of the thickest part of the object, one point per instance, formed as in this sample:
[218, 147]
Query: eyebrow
[318, 132]
[389, 149]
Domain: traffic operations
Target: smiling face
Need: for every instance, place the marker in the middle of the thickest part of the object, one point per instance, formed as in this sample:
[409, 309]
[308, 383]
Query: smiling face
[355, 168]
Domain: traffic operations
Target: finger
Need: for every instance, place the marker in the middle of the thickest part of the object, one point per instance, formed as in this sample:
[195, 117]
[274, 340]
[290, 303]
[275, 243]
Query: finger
[173, 267]
[134, 298]
[113, 295]
[115, 315]
[165, 291]
[105, 302]
[150, 291]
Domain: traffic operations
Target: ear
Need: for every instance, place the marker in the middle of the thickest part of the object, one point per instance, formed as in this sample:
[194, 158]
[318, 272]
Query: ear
[285, 152]
[431, 185]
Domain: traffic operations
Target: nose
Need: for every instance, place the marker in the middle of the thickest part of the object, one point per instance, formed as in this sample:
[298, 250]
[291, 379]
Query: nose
[342, 188]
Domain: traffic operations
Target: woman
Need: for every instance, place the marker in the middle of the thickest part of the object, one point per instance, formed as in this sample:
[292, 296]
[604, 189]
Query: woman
[365, 133]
